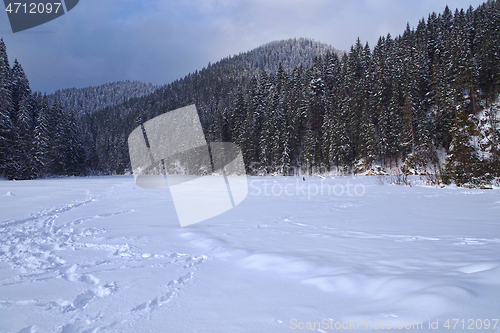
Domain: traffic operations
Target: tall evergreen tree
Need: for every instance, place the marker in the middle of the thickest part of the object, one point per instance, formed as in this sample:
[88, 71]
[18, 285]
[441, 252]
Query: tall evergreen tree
[74, 151]
[22, 167]
[42, 141]
[20, 88]
[59, 139]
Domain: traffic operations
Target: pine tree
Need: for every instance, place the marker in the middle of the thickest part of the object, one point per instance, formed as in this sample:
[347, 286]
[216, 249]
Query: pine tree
[74, 151]
[393, 131]
[265, 117]
[20, 88]
[265, 140]
[294, 117]
[277, 144]
[367, 139]
[443, 103]
[42, 141]
[281, 138]
[334, 142]
[239, 111]
[462, 162]
[23, 144]
[249, 144]
[310, 151]
[59, 139]
[381, 95]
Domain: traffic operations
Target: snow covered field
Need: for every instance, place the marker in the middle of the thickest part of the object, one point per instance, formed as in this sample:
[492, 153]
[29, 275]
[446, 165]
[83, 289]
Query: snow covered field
[103, 255]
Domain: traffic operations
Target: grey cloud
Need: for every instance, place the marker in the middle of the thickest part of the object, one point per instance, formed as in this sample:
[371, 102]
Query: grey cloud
[160, 41]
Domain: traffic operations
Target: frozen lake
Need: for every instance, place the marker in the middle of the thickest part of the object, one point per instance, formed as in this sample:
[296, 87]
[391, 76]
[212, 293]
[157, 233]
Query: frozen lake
[100, 254]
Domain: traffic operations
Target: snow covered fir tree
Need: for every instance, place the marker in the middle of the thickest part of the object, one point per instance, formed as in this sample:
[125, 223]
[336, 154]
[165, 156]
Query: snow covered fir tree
[426, 101]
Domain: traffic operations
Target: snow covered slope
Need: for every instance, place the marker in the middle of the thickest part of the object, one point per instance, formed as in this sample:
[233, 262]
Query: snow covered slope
[103, 255]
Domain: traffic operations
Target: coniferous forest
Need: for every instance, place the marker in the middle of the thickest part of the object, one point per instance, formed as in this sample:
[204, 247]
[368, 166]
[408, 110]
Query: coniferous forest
[424, 102]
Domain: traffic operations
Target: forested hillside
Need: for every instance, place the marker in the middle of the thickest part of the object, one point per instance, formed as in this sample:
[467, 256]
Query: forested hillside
[85, 101]
[423, 101]
[42, 136]
[80, 131]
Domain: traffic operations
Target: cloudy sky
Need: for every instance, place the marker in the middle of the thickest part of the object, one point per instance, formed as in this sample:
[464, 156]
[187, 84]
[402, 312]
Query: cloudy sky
[158, 41]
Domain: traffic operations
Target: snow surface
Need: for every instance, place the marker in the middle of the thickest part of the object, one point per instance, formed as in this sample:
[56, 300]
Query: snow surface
[101, 254]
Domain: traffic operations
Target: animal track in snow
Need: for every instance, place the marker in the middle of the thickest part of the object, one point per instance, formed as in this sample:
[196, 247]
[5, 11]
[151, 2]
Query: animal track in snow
[173, 287]
[30, 245]
[85, 297]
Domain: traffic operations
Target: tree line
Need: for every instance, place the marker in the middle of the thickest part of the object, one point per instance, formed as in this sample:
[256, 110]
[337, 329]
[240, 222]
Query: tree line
[424, 101]
[44, 136]
[36, 139]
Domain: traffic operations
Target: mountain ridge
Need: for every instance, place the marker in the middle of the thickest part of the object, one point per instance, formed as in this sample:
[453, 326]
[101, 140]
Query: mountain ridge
[289, 52]
[90, 99]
